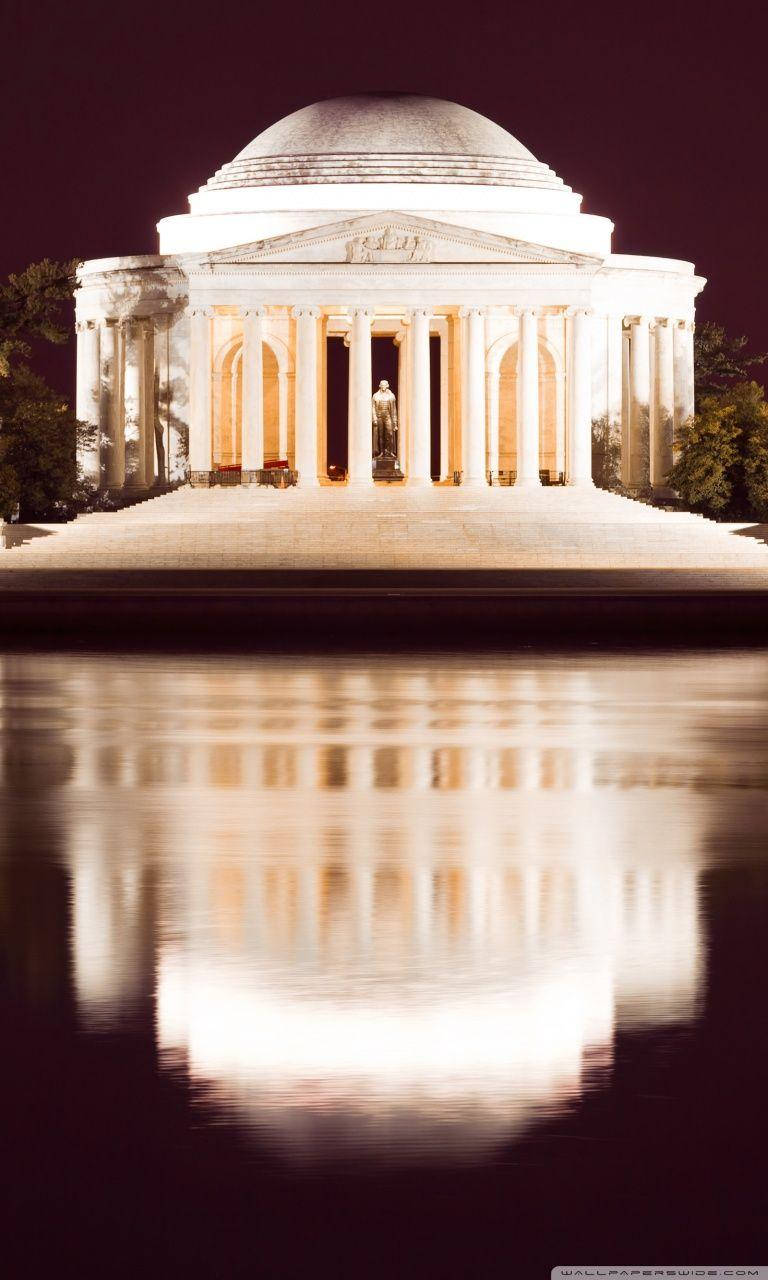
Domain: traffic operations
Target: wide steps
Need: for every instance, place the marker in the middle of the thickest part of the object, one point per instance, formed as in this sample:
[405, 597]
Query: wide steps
[335, 527]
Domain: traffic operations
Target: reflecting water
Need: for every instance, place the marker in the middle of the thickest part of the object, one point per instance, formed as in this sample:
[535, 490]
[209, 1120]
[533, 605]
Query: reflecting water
[374, 913]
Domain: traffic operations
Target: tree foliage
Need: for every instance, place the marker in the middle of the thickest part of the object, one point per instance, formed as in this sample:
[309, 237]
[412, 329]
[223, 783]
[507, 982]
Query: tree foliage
[722, 465]
[719, 361]
[38, 430]
[606, 454]
[32, 305]
[38, 443]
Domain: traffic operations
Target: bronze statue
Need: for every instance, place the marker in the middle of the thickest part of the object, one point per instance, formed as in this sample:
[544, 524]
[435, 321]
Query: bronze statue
[384, 413]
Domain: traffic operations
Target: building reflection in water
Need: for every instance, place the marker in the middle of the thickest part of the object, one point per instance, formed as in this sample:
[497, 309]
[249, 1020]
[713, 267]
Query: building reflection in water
[389, 905]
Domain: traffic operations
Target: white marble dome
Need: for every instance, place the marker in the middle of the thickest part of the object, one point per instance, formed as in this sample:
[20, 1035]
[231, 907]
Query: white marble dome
[344, 157]
[384, 137]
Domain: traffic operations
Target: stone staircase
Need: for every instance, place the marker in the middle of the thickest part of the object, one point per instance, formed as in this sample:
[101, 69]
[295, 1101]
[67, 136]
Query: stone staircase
[387, 528]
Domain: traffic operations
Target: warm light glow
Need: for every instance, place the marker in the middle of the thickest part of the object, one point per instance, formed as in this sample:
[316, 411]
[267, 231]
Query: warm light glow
[411, 893]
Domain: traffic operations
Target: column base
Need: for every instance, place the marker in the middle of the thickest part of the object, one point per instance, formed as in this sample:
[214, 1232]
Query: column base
[527, 482]
[587, 483]
[201, 479]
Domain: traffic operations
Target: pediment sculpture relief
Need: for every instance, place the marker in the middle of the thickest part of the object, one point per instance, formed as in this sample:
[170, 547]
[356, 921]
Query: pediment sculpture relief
[389, 246]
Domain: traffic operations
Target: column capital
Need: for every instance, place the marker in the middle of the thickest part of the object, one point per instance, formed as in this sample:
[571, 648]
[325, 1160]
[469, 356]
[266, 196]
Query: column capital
[468, 312]
[571, 312]
[257, 312]
[299, 313]
[136, 325]
[519, 312]
[688, 325]
[198, 310]
[633, 322]
[365, 313]
[82, 326]
[426, 312]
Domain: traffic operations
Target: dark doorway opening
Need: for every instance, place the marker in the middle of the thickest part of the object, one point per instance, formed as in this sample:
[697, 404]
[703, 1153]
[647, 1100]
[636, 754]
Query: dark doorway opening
[384, 364]
[337, 391]
[434, 405]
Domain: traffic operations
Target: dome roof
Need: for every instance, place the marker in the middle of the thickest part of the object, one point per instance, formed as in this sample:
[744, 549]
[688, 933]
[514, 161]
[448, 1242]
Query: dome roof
[384, 137]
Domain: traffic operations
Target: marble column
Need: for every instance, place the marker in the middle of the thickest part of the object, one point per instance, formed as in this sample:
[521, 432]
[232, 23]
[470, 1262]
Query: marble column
[200, 442]
[474, 374]
[683, 372]
[174, 395]
[150, 451]
[305, 450]
[528, 401]
[109, 405]
[419, 469]
[360, 430]
[252, 449]
[134, 404]
[580, 432]
[665, 406]
[88, 397]
[639, 403]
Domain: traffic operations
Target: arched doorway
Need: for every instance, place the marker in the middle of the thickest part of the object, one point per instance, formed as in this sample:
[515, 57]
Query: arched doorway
[228, 406]
[550, 410]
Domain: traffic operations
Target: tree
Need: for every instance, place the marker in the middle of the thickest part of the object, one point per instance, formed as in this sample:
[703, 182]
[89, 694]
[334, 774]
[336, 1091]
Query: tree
[39, 436]
[722, 466]
[38, 430]
[720, 361]
[32, 306]
[606, 454]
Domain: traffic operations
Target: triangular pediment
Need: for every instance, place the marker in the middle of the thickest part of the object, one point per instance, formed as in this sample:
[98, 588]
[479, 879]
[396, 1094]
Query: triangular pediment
[394, 238]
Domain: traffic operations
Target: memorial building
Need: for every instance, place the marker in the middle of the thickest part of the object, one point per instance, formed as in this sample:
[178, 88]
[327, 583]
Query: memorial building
[383, 238]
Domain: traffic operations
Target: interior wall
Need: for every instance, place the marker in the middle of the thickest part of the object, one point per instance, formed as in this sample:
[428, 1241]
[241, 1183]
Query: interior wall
[337, 398]
[228, 407]
[271, 404]
[434, 404]
[508, 410]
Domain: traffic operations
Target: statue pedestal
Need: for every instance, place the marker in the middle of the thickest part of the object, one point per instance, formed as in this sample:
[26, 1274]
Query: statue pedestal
[387, 468]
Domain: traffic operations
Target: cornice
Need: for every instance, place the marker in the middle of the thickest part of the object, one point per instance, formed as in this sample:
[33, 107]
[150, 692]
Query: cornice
[352, 275]
[380, 220]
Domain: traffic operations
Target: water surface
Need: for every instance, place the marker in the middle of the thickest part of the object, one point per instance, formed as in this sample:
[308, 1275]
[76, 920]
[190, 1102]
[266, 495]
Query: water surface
[417, 965]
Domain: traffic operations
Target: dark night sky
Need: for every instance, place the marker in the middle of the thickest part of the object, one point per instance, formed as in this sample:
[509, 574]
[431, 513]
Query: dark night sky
[656, 113]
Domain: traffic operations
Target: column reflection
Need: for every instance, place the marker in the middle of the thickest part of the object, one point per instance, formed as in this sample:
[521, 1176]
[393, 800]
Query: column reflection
[399, 907]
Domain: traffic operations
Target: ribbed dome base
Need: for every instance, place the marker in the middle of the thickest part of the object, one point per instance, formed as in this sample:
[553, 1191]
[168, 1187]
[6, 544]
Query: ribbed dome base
[384, 138]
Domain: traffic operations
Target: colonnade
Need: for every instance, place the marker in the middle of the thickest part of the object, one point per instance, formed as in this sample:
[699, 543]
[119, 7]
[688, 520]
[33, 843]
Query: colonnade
[473, 455]
[658, 395]
[650, 362]
[116, 394]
